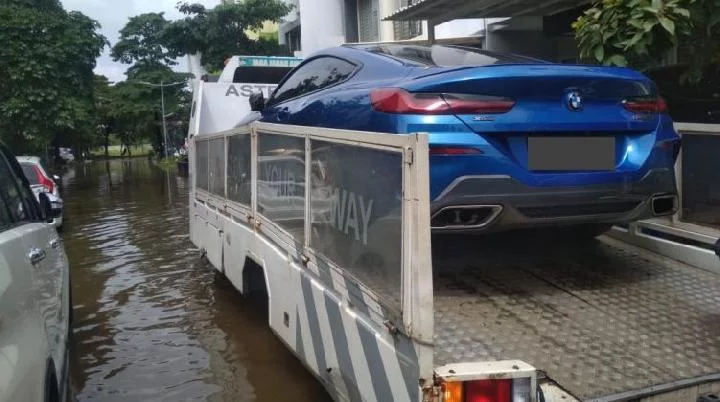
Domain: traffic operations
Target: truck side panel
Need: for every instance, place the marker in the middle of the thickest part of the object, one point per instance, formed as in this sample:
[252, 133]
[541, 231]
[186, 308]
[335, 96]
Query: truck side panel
[354, 358]
[351, 336]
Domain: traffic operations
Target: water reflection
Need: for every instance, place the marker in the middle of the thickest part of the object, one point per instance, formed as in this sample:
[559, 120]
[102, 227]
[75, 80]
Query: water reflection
[152, 321]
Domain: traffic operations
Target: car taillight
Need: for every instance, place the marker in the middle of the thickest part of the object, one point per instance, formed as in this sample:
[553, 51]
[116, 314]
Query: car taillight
[44, 181]
[478, 104]
[646, 105]
[454, 151]
[489, 390]
[400, 101]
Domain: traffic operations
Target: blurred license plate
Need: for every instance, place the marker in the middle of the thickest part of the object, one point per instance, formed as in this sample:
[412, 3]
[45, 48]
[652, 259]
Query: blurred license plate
[571, 153]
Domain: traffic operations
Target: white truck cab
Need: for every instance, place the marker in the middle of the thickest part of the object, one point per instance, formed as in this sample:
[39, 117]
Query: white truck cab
[220, 103]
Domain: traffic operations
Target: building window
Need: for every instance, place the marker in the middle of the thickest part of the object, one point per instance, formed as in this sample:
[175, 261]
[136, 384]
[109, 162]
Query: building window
[369, 18]
[407, 29]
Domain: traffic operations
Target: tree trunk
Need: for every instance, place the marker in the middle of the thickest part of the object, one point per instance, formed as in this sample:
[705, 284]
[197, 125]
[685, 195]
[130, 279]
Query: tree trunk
[107, 144]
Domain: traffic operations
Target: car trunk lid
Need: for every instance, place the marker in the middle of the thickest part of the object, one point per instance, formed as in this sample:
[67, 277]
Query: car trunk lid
[556, 101]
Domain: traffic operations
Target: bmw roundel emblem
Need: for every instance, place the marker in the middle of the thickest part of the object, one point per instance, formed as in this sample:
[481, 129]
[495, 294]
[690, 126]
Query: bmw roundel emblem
[574, 101]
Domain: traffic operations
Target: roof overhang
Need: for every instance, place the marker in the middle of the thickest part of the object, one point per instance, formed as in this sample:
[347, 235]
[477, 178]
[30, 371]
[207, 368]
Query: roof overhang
[474, 40]
[439, 11]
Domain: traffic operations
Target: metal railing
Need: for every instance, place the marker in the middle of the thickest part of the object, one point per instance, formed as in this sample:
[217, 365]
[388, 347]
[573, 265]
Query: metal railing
[344, 203]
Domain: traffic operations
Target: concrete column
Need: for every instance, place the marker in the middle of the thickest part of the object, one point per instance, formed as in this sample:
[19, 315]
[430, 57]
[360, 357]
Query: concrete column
[321, 25]
[387, 32]
[431, 31]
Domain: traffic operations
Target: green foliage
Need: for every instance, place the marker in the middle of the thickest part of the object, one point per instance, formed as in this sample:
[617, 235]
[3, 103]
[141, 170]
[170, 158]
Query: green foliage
[116, 150]
[220, 32]
[703, 44]
[135, 111]
[135, 107]
[269, 36]
[141, 40]
[46, 61]
[640, 33]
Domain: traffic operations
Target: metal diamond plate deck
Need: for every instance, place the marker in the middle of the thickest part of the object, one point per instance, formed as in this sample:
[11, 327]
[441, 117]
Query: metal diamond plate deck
[600, 318]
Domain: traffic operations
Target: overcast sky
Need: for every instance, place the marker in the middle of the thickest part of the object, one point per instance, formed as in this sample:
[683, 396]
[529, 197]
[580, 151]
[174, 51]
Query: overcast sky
[113, 14]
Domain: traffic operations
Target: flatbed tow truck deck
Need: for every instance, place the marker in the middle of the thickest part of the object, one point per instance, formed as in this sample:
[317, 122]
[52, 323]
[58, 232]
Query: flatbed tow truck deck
[604, 319]
[380, 309]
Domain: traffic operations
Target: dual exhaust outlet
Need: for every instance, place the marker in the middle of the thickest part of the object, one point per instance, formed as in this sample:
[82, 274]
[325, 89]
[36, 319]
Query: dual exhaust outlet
[662, 205]
[465, 216]
[479, 216]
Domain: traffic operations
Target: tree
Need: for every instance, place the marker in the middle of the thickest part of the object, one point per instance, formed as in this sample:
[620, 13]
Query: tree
[641, 32]
[131, 109]
[136, 106]
[221, 31]
[140, 40]
[104, 119]
[46, 61]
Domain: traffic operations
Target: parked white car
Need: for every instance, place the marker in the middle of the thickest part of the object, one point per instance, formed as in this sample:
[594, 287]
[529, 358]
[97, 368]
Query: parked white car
[41, 182]
[35, 311]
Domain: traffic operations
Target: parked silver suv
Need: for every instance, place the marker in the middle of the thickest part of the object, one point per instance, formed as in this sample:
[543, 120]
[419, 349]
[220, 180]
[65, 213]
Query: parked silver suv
[35, 307]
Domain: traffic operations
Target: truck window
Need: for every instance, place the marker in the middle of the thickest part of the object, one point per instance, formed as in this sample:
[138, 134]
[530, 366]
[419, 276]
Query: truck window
[260, 75]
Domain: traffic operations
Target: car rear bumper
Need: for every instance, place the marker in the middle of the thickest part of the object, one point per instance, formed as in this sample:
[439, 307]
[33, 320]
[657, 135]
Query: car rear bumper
[496, 203]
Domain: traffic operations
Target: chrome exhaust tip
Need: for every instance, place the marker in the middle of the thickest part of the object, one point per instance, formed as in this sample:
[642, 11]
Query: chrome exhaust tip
[465, 216]
[664, 204]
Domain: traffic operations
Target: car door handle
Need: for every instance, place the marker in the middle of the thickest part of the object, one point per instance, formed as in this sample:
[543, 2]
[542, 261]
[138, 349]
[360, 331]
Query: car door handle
[36, 255]
[54, 243]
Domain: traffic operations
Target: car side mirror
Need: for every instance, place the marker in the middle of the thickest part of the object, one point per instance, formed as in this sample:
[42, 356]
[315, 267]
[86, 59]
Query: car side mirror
[45, 207]
[257, 101]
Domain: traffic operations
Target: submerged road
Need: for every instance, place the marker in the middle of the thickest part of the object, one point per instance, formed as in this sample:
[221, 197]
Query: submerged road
[152, 322]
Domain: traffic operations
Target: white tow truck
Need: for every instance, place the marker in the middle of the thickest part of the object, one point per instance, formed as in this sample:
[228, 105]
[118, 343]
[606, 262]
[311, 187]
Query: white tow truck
[333, 226]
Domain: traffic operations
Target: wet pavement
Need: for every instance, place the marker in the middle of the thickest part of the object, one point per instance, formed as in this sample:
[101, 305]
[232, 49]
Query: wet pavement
[152, 321]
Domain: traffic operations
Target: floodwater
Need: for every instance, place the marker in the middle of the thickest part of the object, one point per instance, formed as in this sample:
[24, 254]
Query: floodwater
[152, 321]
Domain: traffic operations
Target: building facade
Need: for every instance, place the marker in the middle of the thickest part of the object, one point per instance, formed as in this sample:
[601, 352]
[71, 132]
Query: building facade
[537, 28]
[316, 24]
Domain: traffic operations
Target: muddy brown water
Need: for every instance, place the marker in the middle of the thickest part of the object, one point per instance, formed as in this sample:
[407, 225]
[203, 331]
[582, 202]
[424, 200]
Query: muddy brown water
[152, 322]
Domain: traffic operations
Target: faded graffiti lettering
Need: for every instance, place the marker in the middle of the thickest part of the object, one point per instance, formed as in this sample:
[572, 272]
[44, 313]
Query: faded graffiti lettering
[344, 214]
[281, 180]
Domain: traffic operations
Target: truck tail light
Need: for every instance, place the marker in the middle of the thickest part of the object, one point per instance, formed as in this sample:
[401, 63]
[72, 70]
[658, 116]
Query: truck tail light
[44, 181]
[453, 391]
[400, 101]
[489, 390]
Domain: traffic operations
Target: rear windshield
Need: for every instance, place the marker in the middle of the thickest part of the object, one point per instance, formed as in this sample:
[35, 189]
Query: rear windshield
[446, 56]
[30, 173]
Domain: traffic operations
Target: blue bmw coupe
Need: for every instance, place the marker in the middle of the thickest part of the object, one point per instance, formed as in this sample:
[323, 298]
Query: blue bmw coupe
[515, 142]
